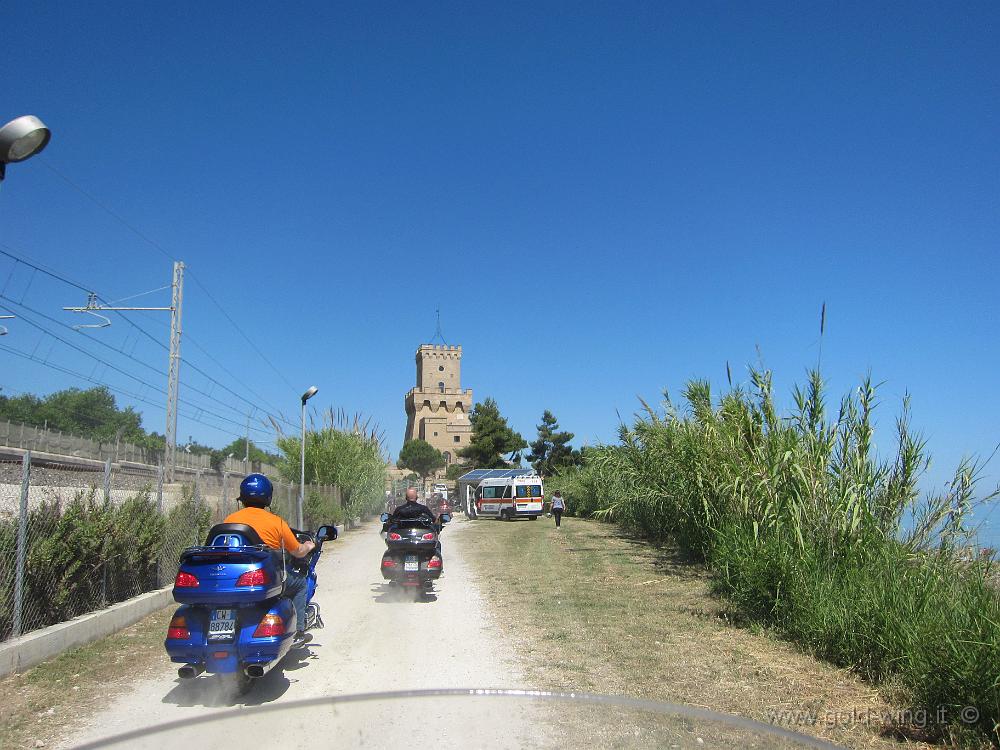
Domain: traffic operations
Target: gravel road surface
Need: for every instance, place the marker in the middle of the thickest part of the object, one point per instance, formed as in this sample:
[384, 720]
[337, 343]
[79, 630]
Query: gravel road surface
[375, 640]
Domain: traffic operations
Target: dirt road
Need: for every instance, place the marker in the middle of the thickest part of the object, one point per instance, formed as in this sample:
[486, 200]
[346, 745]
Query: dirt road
[374, 640]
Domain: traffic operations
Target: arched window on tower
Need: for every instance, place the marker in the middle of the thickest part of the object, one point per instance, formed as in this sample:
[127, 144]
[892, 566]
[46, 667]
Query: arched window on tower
[441, 386]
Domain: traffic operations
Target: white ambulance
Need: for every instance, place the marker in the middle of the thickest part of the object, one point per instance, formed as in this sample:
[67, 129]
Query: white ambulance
[509, 497]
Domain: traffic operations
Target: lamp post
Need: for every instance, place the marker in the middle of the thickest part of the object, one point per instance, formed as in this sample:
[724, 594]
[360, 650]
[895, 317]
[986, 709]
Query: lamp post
[21, 139]
[313, 390]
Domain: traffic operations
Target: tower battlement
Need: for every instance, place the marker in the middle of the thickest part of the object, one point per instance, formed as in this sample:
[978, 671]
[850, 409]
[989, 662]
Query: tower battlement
[437, 409]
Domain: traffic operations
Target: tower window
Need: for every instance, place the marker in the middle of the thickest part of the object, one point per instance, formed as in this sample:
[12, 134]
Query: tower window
[458, 439]
[440, 368]
[435, 434]
[441, 386]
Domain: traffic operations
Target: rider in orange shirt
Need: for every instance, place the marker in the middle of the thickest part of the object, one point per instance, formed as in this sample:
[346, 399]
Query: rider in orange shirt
[255, 494]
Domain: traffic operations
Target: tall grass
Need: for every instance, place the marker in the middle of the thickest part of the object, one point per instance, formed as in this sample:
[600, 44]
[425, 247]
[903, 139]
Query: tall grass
[806, 528]
[345, 451]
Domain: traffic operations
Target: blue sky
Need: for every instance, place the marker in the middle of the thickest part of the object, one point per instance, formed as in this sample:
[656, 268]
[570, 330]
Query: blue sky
[603, 199]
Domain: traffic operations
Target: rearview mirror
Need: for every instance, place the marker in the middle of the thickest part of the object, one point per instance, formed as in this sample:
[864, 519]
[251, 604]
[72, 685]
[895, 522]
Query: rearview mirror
[445, 517]
[384, 517]
[326, 533]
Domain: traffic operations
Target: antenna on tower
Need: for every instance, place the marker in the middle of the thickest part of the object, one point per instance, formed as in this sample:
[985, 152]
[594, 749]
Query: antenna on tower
[437, 331]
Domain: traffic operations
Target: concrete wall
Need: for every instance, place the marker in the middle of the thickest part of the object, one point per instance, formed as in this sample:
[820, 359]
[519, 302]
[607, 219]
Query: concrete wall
[19, 654]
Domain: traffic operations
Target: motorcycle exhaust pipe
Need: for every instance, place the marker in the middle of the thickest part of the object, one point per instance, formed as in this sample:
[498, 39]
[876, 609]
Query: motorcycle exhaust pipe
[256, 670]
[189, 671]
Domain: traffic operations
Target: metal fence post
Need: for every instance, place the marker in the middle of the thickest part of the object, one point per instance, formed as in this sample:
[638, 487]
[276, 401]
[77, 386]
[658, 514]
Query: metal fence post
[159, 488]
[104, 555]
[22, 545]
[107, 481]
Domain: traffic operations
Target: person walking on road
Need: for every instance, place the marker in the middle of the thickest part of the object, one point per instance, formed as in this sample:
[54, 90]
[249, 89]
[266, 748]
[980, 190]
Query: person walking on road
[558, 506]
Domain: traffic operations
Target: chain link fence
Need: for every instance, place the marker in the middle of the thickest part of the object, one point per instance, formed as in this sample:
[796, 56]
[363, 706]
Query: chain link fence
[42, 440]
[76, 538]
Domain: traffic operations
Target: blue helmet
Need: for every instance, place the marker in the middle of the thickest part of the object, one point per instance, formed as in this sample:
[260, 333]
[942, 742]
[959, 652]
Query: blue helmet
[256, 490]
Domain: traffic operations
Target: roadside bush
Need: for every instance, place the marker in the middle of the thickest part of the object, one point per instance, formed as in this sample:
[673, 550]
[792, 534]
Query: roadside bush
[346, 453]
[806, 530]
[82, 556]
[87, 553]
[186, 524]
[320, 508]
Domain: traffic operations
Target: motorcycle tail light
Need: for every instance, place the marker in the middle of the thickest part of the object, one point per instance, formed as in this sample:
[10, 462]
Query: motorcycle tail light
[185, 581]
[270, 626]
[178, 630]
[428, 536]
[388, 563]
[434, 563]
[256, 577]
[395, 537]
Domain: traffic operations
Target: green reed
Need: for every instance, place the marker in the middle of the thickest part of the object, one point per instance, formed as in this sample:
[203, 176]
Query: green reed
[810, 530]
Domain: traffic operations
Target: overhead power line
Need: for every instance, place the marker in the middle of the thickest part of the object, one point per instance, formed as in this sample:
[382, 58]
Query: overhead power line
[30, 264]
[240, 331]
[107, 209]
[123, 353]
[200, 371]
[119, 370]
[167, 254]
[124, 392]
[60, 277]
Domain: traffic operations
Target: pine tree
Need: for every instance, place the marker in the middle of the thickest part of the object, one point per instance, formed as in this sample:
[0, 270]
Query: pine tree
[421, 457]
[492, 438]
[551, 451]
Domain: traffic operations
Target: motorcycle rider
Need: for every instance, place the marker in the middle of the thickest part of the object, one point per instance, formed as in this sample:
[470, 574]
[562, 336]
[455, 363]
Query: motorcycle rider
[255, 494]
[412, 509]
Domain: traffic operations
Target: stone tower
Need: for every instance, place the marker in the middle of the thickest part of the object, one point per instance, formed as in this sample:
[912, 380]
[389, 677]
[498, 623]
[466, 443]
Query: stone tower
[437, 410]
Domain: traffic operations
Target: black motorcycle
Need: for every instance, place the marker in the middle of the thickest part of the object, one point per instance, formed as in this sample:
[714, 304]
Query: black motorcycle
[413, 554]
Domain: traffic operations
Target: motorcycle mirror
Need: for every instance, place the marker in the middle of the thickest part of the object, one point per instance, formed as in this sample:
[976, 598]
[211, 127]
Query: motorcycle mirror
[445, 517]
[326, 533]
[384, 517]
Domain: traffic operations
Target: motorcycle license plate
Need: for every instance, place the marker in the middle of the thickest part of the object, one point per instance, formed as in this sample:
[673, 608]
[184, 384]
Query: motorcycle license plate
[222, 626]
[410, 565]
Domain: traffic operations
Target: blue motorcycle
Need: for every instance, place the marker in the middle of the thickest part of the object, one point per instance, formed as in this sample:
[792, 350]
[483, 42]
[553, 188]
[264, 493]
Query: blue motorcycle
[233, 618]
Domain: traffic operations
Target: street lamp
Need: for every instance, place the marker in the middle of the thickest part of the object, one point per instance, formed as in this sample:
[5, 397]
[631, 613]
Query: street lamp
[21, 139]
[313, 390]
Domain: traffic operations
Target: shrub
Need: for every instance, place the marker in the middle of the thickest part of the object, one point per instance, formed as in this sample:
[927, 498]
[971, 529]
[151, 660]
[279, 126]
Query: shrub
[806, 530]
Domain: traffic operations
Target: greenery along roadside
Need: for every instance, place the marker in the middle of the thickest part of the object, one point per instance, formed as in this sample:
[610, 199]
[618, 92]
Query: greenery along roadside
[807, 531]
[346, 452]
[89, 552]
[420, 457]
[93, 414]
[46, 702]
[602, 611]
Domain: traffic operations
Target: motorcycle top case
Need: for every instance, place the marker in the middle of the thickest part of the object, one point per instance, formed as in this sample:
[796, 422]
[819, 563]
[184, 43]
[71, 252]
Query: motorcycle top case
[411, 536]
[217, 575]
